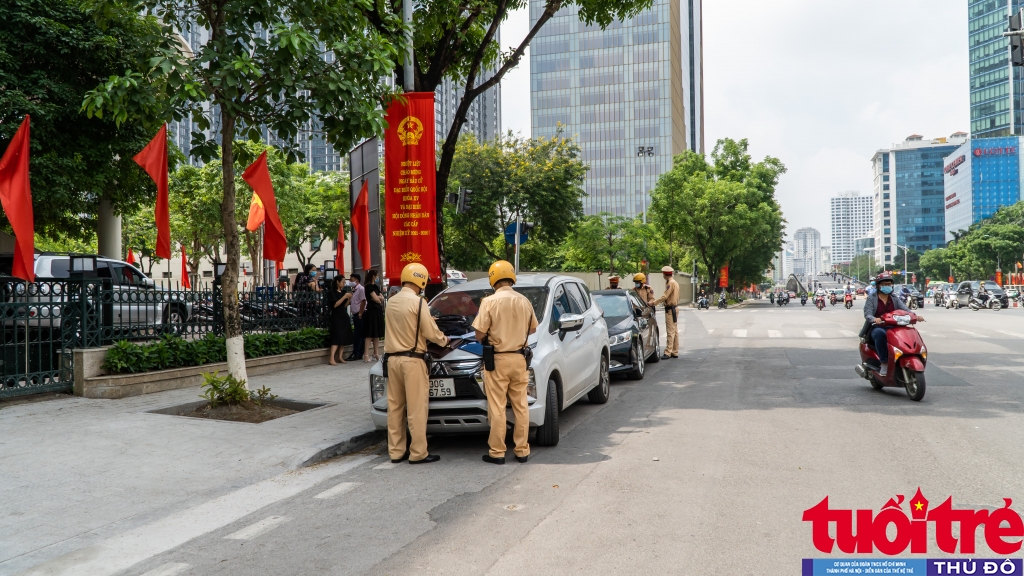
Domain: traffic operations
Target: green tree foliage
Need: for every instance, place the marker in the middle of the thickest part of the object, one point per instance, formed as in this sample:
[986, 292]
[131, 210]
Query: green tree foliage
[975, 253]
[270, 65]
[51, 54]
[724, 210]
[540, 179]
[458, 41]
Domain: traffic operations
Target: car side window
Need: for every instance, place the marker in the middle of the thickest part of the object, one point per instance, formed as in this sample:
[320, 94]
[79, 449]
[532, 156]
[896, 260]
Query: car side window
[587, 299]
[559, 306]
[575, 298]
[103, 271]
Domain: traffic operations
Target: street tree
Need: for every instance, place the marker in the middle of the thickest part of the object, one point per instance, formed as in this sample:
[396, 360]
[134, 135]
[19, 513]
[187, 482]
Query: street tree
[265, 65]
[52, 53]
[596, 243]
[459, 41]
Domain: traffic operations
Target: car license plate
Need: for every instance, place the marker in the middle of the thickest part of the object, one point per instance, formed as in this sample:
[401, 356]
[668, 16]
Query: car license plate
[442, 388]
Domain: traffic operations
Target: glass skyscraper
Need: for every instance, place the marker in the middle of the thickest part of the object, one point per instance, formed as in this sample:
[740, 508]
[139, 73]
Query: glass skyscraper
[636, 84]
[996, 102]
[981, 177]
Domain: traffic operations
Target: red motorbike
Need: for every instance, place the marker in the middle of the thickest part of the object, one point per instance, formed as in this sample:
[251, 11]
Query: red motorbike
[848, 300]
[819, 301]
[907, 356]
[832, 298]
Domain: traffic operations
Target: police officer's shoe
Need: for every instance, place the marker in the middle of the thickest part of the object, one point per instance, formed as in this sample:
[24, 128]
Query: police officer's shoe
[665, 356]
[522, 459]
[492, 460]
[402, 459]
[427, 460]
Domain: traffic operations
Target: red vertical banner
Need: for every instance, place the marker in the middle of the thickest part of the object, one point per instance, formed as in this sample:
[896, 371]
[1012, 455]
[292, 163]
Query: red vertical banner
[723, 277]
[16, 199]
[410, 227]
[153, 159]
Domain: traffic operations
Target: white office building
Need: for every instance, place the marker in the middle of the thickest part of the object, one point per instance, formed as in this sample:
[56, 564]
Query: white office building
[852, 218]
[806, 252]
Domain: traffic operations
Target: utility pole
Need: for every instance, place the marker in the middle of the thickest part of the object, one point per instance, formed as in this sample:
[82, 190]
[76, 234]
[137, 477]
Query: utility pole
[643, 152]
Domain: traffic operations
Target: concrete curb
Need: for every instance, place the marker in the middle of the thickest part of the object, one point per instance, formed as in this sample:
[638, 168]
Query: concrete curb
[337, 446]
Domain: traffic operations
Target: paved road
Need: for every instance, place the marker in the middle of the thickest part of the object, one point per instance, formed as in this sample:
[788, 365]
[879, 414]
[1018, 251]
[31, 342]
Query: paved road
[704, 467]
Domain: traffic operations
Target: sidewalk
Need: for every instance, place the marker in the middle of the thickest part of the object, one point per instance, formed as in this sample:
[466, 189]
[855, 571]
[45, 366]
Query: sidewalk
[76, 470]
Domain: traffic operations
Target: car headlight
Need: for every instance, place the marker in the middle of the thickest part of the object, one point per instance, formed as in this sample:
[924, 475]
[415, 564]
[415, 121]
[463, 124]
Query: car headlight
[531, 386]
[619, 338]
[378, 387]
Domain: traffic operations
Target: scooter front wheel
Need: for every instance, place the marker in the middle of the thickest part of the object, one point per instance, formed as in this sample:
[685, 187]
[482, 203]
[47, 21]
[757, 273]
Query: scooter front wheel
[915, 385]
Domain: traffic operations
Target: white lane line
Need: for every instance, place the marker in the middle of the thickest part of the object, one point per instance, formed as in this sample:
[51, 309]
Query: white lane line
[812, 334]
[848, 333]
[337, 490]
[739, 333]
[1014, 334]
[385, 466]
[774, 334]
[711, 330]
[971, 334]
[168, 569]
[738, 311]
[261, 527]
[129, 548]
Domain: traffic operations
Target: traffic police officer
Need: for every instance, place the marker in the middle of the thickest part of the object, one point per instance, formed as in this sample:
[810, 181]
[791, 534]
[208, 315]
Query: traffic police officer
[506, 320]
[671, 299]
[643, 291]
[408, 327]
[613, 282]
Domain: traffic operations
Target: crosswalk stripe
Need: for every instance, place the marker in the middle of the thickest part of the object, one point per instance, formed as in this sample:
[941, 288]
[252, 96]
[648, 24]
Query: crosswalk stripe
[261, 527]
[848, 333]
[812, 334]
[385, 466]
[711, 330]
[1014, 334]
[337, 490]
[971, 334]
[739, 333]
[170, 569]
[774, 334]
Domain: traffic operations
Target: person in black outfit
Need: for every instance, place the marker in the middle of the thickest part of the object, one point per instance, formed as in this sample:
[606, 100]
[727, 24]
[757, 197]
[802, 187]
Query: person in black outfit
[341, 325]
[373, 318]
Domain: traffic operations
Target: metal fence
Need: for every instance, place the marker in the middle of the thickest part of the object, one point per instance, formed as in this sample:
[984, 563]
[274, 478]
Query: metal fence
[44, 322]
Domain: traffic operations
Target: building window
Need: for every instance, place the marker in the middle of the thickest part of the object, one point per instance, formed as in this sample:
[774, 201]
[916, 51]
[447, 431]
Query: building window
[885, 186]
[886, 213]
[888, 249]
[207, 273]
[885, 196]
[886, 223]
[886, 231]
[885, 204]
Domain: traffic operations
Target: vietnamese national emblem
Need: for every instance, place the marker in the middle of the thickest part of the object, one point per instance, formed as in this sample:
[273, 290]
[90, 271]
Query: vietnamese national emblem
[411, 257]
[410, 130]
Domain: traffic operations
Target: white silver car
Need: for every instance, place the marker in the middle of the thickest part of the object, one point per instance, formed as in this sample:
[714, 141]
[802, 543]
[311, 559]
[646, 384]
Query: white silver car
[570, 358]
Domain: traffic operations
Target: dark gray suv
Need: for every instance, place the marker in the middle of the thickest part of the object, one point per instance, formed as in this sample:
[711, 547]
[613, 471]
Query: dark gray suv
[967, 289]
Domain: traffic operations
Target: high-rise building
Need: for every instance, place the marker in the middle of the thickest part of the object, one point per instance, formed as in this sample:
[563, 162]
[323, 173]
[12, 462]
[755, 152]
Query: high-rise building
[981, 176]
[997, 87]
[852, 218]
[909, 191]
[484, 117]
[825, 263]
[632, 94]
[806, 252]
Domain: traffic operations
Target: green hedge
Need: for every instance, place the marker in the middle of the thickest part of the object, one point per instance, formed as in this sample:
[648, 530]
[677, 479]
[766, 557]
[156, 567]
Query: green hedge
[175, 352]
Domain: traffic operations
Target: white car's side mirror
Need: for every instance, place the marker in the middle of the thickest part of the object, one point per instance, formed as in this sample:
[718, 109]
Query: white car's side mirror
[570, 323]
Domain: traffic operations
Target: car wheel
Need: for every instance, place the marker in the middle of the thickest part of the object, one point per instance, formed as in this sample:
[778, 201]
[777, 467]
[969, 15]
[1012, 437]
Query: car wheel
[174, 320]
[656, 357]
[547, 433]
[639, 357]
[601, 392]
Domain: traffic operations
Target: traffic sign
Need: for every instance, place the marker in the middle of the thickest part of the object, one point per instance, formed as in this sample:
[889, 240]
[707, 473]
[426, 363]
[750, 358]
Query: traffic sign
[524, 233]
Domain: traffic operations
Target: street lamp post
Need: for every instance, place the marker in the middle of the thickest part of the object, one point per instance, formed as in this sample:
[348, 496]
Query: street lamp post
[643, 152]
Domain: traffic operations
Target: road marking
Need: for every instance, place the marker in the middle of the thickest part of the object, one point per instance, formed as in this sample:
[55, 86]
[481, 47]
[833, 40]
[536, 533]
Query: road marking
[337, 490]
[385, 466]
[168, 569]
[129, 548]
[739, 333]
[971, 334]
[812, 334]
[848, 333]
[774, 334]
[737, 311]
[261, 527]
[711, 330]
[1014, 334]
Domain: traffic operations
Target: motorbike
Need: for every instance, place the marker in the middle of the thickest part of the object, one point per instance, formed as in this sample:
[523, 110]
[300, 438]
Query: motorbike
[848, 301]
[832, 298]
[939, 298]
[820, 302]
[780, 300]
[976, 303]
[951, 302]
[722, 302]
[702, 302]
[907, 356]
[803, 299]
[910, 300]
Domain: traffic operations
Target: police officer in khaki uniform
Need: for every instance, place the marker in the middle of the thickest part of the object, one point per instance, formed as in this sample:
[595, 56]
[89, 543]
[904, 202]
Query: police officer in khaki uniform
[643, 291]
[408, 327]
[506, 320]
[613, 282]
[671, 300]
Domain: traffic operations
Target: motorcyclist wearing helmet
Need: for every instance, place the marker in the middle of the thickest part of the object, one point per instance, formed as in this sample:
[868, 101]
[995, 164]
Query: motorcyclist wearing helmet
[877, 306]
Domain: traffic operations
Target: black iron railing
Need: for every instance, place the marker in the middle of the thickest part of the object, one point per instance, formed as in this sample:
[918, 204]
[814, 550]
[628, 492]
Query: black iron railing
[44, 322]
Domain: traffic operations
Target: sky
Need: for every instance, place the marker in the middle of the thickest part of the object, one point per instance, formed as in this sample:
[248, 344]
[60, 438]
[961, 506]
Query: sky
[819, 84]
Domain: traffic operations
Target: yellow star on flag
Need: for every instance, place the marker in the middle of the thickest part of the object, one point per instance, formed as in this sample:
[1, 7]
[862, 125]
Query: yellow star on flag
[918, 505]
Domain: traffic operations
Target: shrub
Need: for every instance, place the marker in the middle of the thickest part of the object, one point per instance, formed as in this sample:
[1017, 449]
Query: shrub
[172, 351]
[229, 390]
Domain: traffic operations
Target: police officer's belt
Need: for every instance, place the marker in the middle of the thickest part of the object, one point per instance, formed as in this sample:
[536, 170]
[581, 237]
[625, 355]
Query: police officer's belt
[520, 351]
[407, 354]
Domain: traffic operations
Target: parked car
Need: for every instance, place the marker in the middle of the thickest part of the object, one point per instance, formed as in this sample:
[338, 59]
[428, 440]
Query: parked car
[967, 289]
[137, 300]
[571, 358]
[456, 277]
[632, 332]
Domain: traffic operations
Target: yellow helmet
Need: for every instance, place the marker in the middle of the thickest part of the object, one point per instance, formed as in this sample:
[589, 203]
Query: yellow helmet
[501, 270]
[416, 273]
[639, 277]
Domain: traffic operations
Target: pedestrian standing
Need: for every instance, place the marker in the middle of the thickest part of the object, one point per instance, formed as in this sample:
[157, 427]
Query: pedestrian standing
[409, 327]
[356, 308]
[341, 325]
[643, 291]
[504, 324]
[671, 300]
[373, 317]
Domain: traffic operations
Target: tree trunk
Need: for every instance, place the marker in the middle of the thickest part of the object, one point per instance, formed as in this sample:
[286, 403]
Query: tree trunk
[229, 281]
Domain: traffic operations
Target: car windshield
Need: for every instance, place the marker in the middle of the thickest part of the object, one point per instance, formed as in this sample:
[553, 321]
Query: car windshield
[467, 302]
[615, 307]
[990, 285]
